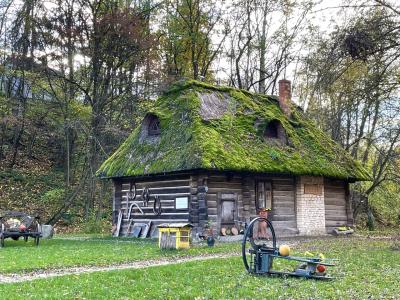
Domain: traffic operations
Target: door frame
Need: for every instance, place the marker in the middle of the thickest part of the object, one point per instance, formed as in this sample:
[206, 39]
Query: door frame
[227, 196]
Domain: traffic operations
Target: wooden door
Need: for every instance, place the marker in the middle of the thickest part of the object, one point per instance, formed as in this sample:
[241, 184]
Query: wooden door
[228, 212]
[228, 208]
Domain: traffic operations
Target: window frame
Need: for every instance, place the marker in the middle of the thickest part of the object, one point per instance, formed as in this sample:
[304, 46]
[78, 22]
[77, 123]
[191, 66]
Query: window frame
[187, 204]
[151, 131]
[266, 183]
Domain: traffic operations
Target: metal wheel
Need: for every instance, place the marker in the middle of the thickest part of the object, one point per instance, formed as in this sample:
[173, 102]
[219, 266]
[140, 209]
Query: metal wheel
[157, 206]
[132, 192]
[259, 234]
[247, 252]
[145, 196]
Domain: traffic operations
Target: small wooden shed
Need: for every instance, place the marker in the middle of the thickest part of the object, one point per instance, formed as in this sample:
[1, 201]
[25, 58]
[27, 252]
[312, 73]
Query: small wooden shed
[211, 153]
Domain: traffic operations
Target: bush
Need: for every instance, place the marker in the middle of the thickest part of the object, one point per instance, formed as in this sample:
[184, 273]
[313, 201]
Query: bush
[53, 196]
[96, 224]
[385, 202]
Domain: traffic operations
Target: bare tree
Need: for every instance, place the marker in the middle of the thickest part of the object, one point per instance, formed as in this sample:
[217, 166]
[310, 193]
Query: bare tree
[260, 48]
[351, 86]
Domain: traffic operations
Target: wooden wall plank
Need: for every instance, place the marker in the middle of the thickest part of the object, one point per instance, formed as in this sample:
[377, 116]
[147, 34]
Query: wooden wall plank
[335, 203]
[283, 214]
[167, 188]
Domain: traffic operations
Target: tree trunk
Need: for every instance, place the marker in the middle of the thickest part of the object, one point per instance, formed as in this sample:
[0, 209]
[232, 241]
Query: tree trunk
[263, 41]
[16, 143]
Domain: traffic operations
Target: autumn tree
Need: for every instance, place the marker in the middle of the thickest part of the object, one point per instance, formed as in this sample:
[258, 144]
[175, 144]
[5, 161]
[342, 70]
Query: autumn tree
[90, 60]
[21, 42]
[112, 39]
[189, 30]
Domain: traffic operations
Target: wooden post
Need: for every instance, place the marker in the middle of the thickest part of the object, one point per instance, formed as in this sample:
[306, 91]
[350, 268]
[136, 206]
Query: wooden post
[202, 189]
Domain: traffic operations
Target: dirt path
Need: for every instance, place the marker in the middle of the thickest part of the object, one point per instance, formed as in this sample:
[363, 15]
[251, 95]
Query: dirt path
[44, 274]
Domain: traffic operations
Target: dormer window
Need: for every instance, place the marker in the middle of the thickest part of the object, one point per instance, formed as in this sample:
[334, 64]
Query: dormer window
[151, 128]
[272, 130]
[154, 127]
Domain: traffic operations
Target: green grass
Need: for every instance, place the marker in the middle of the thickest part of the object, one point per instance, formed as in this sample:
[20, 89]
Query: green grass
[18, 256]
[381, 231]
[367, 270]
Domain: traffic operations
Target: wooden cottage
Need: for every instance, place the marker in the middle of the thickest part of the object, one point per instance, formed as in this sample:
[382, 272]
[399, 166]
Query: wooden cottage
[209, 153]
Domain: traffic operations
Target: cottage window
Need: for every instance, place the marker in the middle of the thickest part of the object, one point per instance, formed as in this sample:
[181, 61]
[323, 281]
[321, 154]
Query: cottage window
[154, 127]
[263, 194]
[272, 130]
[181, 203]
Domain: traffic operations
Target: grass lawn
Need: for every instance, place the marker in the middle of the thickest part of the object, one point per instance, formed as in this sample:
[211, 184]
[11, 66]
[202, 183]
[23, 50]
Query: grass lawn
[368, 269]
[18, 256]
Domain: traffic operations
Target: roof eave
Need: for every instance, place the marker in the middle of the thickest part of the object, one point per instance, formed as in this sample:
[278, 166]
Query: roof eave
[350, 179]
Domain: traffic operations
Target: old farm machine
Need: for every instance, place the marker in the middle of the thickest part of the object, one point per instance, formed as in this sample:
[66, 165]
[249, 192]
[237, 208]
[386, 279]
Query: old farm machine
[18, 224]
[259, 251]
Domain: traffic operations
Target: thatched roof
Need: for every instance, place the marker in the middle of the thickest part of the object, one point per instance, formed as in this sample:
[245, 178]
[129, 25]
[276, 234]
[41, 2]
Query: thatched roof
[221, 128]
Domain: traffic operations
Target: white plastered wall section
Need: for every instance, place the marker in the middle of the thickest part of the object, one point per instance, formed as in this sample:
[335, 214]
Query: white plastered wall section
[310, 207]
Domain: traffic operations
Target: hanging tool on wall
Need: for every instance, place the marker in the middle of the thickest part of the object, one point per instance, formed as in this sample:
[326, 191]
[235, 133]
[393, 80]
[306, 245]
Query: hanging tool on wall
[145, 196]
[157, 206]
[132, 192]
[120, 214]
[156, 201]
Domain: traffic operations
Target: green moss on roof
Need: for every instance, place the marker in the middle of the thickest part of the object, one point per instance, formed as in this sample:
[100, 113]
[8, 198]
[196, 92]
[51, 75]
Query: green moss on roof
[230, 142]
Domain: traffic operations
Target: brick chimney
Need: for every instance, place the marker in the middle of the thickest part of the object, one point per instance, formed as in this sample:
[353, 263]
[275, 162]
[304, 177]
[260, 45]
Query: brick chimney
[285, 94]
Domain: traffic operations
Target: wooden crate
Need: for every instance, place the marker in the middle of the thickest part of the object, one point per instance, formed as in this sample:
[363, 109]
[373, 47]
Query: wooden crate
[174, 236]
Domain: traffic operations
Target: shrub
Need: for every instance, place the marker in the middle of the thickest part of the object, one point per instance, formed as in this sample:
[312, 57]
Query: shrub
[95, 224]
[53, 196]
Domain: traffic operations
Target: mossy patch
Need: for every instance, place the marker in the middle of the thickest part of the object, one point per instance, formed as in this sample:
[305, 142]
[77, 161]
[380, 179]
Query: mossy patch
[231, 142]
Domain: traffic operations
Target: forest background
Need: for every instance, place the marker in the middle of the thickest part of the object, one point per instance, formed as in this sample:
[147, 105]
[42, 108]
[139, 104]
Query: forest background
[76, 76]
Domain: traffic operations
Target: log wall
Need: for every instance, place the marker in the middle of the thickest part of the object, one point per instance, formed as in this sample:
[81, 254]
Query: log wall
[284, 205]
[283, 213]
[205, 190]
[167, 189]
[337, 207]
[229, 187]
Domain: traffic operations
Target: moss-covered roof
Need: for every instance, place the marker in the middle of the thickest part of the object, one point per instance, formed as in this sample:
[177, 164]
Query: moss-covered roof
[221, 128]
